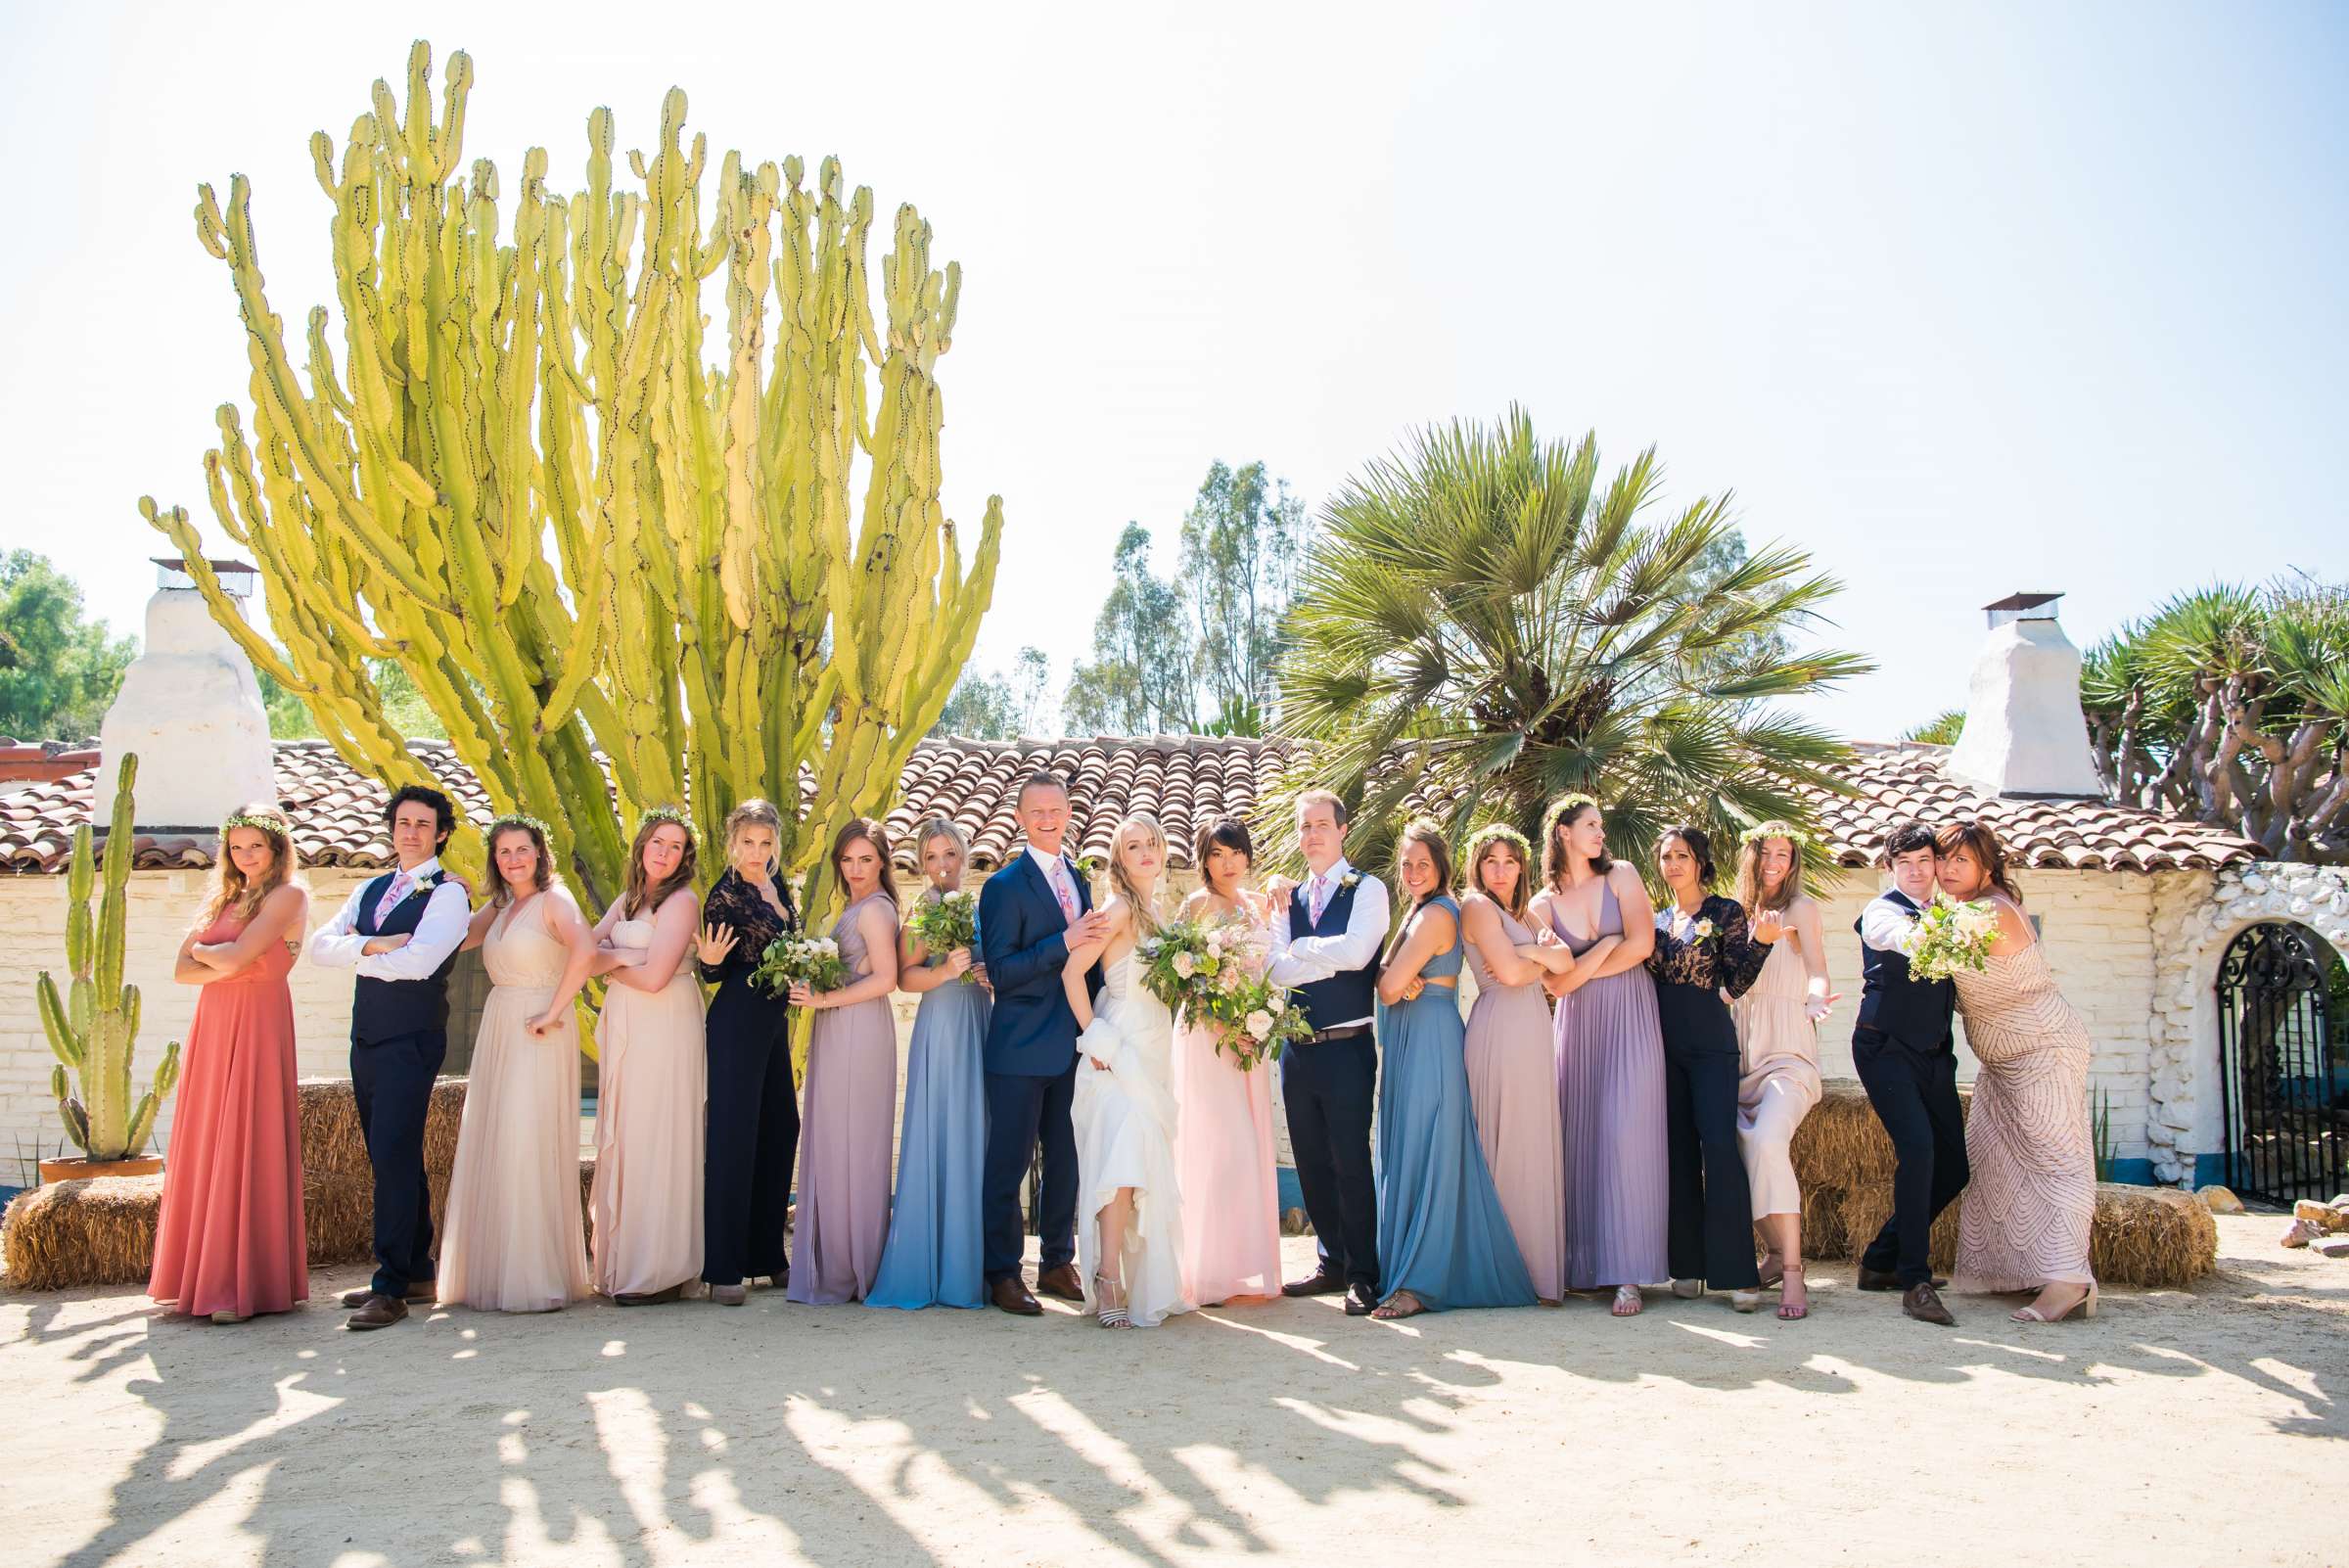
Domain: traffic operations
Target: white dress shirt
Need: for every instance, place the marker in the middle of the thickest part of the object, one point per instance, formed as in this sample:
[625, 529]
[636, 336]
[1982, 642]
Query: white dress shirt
[338, 944]
[1302, 960]
[1888, 924]
[1056, 867]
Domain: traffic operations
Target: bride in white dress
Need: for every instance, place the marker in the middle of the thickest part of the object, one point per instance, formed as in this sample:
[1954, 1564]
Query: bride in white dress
[1129, 1208]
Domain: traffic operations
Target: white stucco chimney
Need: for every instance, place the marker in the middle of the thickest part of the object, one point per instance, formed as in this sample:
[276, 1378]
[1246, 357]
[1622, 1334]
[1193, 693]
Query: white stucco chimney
[2024, 732]
[192, 709]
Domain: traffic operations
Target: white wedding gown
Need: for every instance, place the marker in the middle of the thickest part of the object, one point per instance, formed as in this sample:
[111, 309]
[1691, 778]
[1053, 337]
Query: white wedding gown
[1125, 1120]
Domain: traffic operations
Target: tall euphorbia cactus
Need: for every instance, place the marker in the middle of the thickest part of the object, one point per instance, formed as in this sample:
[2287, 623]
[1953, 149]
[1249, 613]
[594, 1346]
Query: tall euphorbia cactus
[706, 611]
[94, 1026]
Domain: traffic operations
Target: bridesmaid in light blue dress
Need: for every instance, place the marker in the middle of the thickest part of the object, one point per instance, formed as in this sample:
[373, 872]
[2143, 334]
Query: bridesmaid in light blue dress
[1443, 1239]
[933, 1257]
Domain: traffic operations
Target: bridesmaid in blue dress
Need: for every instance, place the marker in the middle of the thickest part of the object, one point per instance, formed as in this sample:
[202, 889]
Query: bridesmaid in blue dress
[1443, 1239]
[933, 1257]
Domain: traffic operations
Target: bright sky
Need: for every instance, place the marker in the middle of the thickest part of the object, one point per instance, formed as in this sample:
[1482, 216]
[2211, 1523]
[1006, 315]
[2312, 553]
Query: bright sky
[1966, 299]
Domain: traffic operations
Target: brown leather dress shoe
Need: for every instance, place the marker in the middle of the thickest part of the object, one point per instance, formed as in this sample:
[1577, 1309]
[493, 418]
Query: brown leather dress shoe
[420, 1292]
[1886, 1279]
[1361, 1302]
[1326, 1282]
[1012, 1297]
[380, 1312]
[1924, 1303]
[1061, 1282]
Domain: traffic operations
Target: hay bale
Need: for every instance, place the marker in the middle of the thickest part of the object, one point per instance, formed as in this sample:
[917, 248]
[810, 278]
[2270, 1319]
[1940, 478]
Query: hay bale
[98, 1232]
[339, 1214]
[1822, 1224]
[2151, 1237]
[331, 1143]
[1841, 1143]
[1862, 1212]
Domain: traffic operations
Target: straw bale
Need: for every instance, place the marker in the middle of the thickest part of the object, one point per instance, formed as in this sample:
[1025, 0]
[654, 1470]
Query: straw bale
[2151, 1237]
[95, 1231]
[331, 1143]
[1863, 1211]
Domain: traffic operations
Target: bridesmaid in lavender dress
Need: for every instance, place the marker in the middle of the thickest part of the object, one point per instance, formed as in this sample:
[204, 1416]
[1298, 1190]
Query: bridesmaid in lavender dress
[1224, 1154]
[852, 1096]
[1610, 1058]
[1512, 1071]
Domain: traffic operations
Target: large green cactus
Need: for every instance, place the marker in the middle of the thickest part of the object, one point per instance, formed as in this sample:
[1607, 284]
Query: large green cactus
[94, 1027]
[706, 611]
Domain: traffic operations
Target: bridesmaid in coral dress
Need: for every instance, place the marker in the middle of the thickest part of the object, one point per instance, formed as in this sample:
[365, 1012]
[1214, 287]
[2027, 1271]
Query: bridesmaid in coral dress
[1223, 1153]
[654, 1071]
[2026, 1217]
[843, 1225]
[1511, 1060]
[512, 1240]
[230, 1241]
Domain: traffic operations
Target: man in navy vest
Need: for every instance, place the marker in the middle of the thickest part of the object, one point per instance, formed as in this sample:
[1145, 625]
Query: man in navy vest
[1031, 914]
[1326, 935]
[402, 932]
[1906, 1059]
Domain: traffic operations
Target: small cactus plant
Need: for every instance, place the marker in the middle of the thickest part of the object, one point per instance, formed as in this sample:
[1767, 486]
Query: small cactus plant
[94, 1026]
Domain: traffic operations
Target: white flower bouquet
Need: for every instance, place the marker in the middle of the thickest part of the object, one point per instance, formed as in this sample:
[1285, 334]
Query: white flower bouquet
[1951, 936]
[946, 923]
[791, 959]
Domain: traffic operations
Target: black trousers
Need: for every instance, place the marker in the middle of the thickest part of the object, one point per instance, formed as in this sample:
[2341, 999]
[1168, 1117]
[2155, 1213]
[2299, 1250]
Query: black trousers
[1021, 1112]
[754, 1136]
[393, 1081]
[1709, 1229]
[1329, 1089]
[1916, 1096]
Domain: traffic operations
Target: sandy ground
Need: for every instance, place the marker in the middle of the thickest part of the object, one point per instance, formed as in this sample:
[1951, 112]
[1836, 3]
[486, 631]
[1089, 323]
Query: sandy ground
[2185, 1427]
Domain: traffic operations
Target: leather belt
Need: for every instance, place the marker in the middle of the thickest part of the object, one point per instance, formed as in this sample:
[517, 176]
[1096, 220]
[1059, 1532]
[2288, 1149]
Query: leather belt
[1341, 1032]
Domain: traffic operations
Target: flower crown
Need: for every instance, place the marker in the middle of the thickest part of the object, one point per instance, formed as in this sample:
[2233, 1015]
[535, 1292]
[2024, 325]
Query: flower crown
[517, 819]
[1502, 833]
[666, 813]
[1564, 807]
[1774, 829]
[271, 822]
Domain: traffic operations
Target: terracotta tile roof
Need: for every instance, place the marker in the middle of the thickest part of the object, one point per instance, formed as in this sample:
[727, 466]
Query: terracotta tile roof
[1899, 781]
[1185, 779]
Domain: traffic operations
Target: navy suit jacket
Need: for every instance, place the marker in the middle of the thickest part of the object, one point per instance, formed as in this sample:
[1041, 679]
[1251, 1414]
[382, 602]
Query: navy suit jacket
[1024, 942]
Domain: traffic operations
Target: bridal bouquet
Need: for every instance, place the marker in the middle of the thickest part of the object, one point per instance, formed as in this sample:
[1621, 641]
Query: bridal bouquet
[1213, 972]
[792, 959]
[1184, 963]
[1952, 936]
[1254, 1024]
[946, 923]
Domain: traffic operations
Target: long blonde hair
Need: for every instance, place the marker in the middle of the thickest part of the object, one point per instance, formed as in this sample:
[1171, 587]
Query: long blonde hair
[1146, 922]
[229, 890]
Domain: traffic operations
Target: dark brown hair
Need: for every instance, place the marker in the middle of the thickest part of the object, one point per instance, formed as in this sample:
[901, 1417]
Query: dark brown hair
[1906, 838]
[872, 833]
[1749, 876]
[1480, 849]
[1698, 843]
[1555, 823]
[642, 897]
[542, 878]
[1981, 841]
[1424, 830]
[1223, 833]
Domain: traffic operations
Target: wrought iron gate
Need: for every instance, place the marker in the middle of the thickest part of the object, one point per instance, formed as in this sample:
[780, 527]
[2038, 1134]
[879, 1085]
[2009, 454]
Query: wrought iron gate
[2284, 1087]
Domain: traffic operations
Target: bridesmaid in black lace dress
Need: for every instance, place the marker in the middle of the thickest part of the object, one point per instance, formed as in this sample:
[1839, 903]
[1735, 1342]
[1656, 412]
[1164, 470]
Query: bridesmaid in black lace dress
[1703, 948]
[754, 1115]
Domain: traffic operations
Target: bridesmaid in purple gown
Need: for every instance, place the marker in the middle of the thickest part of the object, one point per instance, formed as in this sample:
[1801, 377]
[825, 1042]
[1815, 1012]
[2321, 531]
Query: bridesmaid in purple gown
[1610, 1058]
[852, 1098]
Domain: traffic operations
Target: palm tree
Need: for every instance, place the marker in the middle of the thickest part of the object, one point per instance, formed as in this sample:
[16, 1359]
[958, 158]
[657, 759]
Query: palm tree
[1481, 629]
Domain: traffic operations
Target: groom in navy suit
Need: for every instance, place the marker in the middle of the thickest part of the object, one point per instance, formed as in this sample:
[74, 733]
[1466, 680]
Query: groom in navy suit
[1031, 914]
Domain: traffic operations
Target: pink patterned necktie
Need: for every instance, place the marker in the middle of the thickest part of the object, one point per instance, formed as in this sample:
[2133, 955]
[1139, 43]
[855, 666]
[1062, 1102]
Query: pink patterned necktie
[1063, 892]
[392, 895]
[1320, 897]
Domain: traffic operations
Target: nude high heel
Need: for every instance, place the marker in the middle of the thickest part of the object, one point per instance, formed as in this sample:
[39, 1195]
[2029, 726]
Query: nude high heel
[2085, 1307]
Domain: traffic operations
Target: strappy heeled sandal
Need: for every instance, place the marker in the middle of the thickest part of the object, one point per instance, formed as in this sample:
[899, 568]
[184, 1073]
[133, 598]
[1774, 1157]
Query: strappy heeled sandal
[1794, 1311]
[2085, 1307]
[1629, 1303]
[1112, 1315]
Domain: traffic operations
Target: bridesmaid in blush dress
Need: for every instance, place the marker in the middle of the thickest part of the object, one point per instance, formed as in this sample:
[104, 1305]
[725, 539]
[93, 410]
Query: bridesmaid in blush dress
[1443, 1239]
[934, 1257]
[851, 1085]
[230, 1240]
[1610, 1058]
[2024, 1220]
[646, 1199]
[512, 1240]
[1224, 1151]
[1512, 1069]
[1777, 1047]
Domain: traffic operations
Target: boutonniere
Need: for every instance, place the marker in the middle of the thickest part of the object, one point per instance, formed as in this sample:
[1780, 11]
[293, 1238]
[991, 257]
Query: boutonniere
[1350, 881]
[421, 884]
[1090, 865]
[1702, 930]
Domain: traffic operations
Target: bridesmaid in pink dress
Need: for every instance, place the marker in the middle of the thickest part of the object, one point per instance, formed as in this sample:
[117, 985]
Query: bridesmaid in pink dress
[230, 1241]
[1223, 1155]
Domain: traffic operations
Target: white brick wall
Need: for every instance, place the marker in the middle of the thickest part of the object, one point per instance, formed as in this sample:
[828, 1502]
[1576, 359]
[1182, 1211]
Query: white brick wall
[2097, 924]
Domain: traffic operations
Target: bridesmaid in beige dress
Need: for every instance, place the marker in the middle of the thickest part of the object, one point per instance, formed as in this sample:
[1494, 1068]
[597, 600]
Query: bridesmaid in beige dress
[1511, 1054]
[512, 1241]
[646, 1203]
[1778, 1044]
[2024, 1222]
